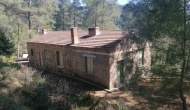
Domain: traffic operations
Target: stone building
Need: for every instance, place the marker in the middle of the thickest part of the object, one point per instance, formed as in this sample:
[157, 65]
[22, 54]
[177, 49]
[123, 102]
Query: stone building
[93, 55]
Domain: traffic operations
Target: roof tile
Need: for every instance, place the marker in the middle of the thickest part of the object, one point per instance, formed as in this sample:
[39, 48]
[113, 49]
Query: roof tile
[106, 39]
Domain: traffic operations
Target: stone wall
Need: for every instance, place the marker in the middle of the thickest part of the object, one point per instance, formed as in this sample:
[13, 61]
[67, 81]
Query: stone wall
[73, 61]
[126, 51]
[104, 64]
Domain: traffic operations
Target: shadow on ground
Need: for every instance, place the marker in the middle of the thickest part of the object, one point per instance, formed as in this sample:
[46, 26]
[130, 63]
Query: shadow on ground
[160, 92]
[26, 89]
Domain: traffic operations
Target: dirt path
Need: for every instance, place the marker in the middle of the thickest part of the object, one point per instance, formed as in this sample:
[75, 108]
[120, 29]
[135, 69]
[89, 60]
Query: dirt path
[114, 96]
[155, 95]
[145, 98]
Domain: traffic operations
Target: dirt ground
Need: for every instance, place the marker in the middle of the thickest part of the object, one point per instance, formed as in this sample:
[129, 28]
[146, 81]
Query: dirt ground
[143, 96]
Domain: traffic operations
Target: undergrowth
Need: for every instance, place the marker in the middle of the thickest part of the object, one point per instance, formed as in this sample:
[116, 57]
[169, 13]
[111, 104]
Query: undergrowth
[27, 89]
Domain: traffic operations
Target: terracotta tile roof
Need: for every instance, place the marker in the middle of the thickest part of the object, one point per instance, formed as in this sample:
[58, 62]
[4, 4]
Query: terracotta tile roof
[106, 39]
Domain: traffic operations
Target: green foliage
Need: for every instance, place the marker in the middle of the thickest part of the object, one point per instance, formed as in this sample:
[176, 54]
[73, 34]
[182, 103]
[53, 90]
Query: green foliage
[6, 103]
[8, 59]
[62, 17]
[120, 106]
[6, 46]
[27, 89]
[23, 19]
[75, 12]
[85, 14]
[42, 13]
[152, 18]
[165, 70]
[101, 13]
[156, 19]
[104, 105]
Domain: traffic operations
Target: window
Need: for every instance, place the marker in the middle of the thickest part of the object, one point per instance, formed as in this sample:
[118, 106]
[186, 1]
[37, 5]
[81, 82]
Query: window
[59, 59]
[89, 65]
[140, 54]
[31, 51]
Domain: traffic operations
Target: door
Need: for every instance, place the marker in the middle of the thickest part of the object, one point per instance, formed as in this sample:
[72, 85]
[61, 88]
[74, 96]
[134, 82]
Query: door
[121, 69]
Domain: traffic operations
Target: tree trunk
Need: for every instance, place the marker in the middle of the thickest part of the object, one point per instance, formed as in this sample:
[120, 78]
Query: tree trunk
[161, 57]
[167, 55]
[156, 56]
[146, 59]
[182, 96]
[96, 13]
[187, 63]
[74, 17]
[63, 20]
[18, 54]
[103, 15]
[38, 30]
[29, 15]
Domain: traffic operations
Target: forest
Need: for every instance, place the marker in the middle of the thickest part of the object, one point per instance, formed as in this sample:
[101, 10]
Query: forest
[24, 19]
[163, 25]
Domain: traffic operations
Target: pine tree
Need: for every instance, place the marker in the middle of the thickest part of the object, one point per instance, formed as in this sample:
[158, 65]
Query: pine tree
[155, 19]
[75, 12]
[23, 18]
[63, 16]
[6, 46]
[101, 13]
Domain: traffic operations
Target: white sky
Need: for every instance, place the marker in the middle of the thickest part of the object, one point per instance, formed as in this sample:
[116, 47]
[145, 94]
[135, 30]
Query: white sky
[123, 2]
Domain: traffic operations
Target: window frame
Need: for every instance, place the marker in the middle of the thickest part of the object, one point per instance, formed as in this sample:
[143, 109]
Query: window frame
[59, 59]
[89, 63]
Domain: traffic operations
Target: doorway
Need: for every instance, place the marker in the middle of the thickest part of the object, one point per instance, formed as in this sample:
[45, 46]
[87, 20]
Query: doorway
[121, 71]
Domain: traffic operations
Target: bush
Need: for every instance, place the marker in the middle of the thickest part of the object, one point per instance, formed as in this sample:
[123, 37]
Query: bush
[165, 70]
[28, 90]
[6, 103]
[6, 47]
[8, 59]
[104, 105]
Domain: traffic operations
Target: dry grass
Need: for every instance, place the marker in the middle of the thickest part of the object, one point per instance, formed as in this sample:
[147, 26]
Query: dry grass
[151, 95]
[26, 89]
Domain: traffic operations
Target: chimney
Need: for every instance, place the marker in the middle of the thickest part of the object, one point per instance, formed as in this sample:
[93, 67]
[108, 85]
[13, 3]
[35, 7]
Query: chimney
[74, 35]
[94, 31]
[44, 31]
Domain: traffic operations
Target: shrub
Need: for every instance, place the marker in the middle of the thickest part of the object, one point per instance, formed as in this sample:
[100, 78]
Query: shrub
[165, 70]
[8, 59]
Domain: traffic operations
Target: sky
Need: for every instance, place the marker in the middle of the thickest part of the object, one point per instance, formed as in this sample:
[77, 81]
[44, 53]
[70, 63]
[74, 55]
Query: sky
[123, 2]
